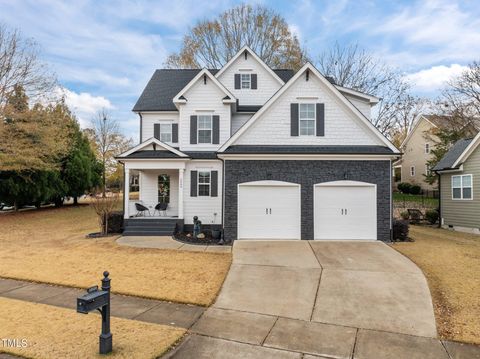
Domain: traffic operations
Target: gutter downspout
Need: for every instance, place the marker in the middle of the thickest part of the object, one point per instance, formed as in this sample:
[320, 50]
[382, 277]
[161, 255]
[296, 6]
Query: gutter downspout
[141, 126]
[439, 201]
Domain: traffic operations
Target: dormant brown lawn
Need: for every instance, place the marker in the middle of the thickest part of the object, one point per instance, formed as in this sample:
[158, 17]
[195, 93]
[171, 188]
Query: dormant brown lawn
[52, 332]
[451, 263]
[50, 246]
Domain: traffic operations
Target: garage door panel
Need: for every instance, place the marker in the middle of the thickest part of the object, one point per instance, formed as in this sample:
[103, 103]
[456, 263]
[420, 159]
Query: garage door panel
[268, 212]
[345, 211]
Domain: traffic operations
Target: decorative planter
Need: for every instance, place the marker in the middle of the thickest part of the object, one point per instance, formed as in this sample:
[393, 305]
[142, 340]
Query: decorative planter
[216, 233]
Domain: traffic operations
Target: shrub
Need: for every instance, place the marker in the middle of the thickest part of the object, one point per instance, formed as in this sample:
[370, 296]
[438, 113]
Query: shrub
[404, 187]
[405, 215]
[400, 230]
[115, 222]
[415, 217]
[415, 189]
[103, 206]
[432, 216]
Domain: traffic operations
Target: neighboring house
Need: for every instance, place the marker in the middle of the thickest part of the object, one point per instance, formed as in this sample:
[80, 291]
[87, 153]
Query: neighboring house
[459, 172]
[261, 153]
[416, 150]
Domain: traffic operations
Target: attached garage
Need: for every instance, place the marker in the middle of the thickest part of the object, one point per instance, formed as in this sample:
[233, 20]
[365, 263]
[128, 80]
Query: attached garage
[269, 210]
[345, 210]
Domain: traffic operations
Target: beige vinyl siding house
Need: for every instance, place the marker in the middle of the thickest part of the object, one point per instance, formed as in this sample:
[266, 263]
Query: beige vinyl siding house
[459, 174]
[417, 152]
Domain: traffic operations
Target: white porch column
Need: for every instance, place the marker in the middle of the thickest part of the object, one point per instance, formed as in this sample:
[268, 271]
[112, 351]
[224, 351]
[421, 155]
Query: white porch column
[126, 189]
[180, 193]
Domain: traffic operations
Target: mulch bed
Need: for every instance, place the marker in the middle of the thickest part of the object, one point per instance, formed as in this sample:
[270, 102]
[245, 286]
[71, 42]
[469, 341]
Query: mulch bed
[208, 240]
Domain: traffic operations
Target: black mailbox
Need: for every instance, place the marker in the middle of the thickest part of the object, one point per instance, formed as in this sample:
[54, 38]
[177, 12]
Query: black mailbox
[92, 301]
[99, 300]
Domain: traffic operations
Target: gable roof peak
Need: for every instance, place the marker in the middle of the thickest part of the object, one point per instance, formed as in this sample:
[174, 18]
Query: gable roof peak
[255, 56]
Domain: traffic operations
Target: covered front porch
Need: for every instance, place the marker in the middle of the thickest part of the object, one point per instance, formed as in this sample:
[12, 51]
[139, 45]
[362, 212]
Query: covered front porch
[149, 184]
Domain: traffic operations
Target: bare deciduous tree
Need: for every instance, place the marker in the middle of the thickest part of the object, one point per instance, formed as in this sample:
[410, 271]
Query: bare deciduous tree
[355, 68]
[108, 142]
[211, 43]
[461, 97]
[20, 66]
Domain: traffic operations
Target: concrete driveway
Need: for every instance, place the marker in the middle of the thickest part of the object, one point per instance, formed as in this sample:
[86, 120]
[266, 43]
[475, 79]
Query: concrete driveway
[285, 299]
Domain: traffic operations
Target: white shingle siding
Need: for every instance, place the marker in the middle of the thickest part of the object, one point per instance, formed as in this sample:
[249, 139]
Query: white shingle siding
[363, 106]
[342, 126]
[203, 99]
[238, 120]
[267, 85]
[203, 207]
[149, 119]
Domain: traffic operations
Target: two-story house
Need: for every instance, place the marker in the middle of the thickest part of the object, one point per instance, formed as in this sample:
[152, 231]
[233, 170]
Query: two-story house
[260, 153]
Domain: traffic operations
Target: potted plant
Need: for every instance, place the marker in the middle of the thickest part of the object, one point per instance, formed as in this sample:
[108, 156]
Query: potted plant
[216, 233]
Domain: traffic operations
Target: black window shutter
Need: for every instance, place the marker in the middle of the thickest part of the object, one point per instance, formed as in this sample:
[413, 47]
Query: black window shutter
[156, 130]
[216, 129]
[253, 78]
[214, 184]
[193, 183]
[175, 132]
[320, 119]
[294, 119]
[237, 81]
[193, 130]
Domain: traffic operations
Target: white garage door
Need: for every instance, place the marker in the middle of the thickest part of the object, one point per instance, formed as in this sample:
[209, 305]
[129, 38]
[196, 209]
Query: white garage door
[268, 210]
[345, 210]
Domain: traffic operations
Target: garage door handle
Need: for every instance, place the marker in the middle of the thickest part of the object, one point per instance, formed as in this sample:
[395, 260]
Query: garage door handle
[342, 211]
[345, 211]
[270, 211]
[266, 210]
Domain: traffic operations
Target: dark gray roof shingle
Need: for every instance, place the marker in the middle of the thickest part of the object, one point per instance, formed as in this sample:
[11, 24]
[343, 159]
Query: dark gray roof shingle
[452, 155]
[165, 84]
[252, 149]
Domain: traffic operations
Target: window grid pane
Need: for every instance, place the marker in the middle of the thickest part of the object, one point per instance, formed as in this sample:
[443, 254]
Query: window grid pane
[467, 193]
[466, 181]
[457, 193]
[204, 183]
[166, 133]
[245, 81]
[456, 181]
[307, 127]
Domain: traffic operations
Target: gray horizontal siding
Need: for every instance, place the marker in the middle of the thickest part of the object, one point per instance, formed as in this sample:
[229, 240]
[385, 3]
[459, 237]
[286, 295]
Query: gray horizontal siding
[462, 213]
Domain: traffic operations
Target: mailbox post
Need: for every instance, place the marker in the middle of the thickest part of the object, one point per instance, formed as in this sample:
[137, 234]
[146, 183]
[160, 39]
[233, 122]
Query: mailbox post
[99, 300]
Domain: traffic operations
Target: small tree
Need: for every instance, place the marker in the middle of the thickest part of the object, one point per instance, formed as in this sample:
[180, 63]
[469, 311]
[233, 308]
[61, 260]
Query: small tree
[108, 142]
[103, 207]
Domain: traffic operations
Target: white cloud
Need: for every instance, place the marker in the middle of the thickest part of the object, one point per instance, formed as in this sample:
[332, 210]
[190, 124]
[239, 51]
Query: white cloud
[84, 105]
[435, 77]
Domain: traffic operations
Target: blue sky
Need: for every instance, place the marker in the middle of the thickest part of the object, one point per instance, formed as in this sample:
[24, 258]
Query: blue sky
[104, 52]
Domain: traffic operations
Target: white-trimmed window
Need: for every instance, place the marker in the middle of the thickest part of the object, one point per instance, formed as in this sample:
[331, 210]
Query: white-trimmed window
[412, 171]
[427, 148]
[245, 81]
[204, 129]
[306, 119]
[204, 183]
[165, 132]
[427, 170]
[462, 187]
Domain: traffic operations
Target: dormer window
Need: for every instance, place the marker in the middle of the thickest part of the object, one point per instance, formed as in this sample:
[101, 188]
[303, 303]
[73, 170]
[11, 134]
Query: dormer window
[246, 81]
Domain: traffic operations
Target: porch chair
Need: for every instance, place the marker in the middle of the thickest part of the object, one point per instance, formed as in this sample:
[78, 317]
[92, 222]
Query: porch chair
[141, 209]
[161, 207]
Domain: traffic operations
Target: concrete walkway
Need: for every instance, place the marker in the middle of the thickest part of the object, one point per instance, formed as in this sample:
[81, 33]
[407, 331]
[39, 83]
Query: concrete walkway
[129, 307]
[300, 299]
[167, 242]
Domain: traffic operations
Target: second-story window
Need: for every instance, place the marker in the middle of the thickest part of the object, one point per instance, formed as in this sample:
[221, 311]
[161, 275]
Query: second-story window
[166, 132]
[427, 148]
[205, 129]
[306, 118]
[246, 81]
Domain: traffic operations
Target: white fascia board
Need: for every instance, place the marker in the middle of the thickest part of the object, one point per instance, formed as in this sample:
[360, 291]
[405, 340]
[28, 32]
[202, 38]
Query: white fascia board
[370, 98]
[468, 151]
[256, 57]
[335, 91]
[299, 157]
[148, 142]
[204, 71]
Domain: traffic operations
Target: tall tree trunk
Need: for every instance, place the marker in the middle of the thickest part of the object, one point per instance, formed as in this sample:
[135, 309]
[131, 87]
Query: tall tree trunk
[75, 200]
